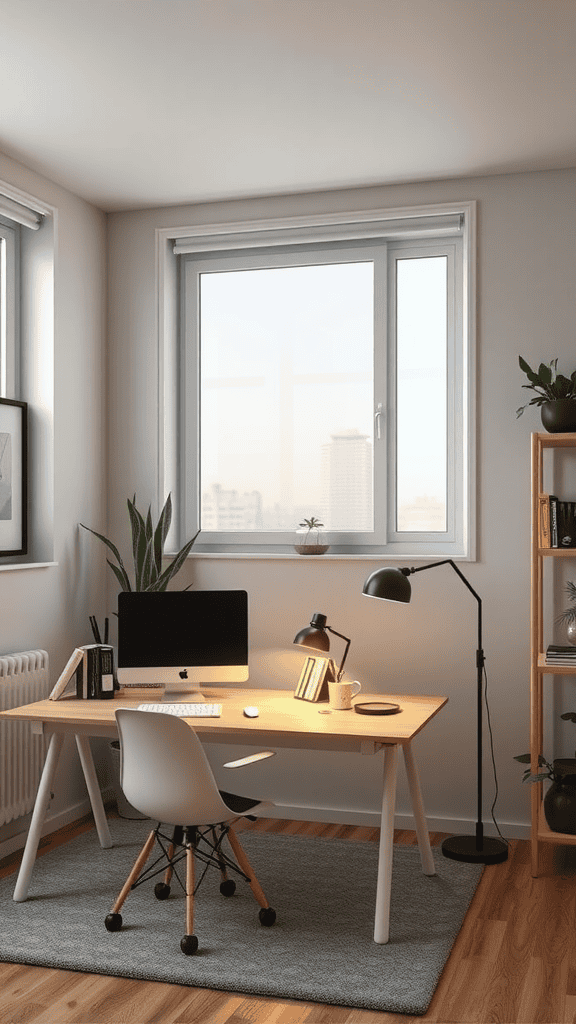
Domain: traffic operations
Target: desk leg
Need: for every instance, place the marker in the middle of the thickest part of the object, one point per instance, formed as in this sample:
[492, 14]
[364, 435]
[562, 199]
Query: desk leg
[428, 866]
[38, 816]
[83, 744]
[384, 884]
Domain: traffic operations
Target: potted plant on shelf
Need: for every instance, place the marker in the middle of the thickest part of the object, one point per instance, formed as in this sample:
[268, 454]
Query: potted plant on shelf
[147, 550]
[555, 394]
[310, 537]
[560, 800]
[568, 617]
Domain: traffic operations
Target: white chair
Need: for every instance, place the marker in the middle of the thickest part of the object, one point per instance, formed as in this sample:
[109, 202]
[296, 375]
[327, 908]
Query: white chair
[165, 774]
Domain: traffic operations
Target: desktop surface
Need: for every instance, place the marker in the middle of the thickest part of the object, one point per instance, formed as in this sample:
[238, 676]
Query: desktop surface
[282, 719]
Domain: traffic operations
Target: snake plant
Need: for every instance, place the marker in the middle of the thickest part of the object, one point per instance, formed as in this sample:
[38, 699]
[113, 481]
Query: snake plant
[147, 550]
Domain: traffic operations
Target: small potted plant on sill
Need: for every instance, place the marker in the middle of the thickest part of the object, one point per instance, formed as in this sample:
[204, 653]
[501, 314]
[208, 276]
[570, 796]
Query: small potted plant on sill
[555, 394]
[310, 537]
[560, 800]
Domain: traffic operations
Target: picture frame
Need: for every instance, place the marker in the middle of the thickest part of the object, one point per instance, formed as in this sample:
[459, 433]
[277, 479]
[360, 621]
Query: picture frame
[13, 477]
[314, 678]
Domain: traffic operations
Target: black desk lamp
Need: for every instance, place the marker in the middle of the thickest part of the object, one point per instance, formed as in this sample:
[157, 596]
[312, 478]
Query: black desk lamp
[315, 636]
[393, 585]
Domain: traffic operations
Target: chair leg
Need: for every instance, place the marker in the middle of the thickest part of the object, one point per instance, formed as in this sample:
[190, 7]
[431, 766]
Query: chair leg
[114, 920]
[227, 885]
[162, 889]
[189, 942]
[267, 915]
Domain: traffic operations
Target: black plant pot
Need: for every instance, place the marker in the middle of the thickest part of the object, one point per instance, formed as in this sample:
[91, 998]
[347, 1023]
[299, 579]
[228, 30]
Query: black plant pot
[560, 800]
[559, 417]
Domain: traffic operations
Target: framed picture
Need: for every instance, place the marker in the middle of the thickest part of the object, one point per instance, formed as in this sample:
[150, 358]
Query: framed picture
[13, 477]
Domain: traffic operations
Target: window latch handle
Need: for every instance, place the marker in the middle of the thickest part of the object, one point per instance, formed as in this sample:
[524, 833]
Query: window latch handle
[378, 420]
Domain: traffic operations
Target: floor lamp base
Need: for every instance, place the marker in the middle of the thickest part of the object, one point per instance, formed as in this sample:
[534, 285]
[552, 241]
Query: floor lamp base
[466, 848]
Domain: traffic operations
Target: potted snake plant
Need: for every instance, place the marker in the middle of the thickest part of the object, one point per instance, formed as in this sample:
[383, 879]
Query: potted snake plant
[147, 550]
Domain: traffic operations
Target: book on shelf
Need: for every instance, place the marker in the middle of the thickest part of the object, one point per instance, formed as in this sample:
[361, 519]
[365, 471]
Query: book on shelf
[567, 524]
[314, 678]
[560, 654]
[553, 521]
[544, 537]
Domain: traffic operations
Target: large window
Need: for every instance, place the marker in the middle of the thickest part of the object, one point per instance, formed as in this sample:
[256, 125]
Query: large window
[328, 378]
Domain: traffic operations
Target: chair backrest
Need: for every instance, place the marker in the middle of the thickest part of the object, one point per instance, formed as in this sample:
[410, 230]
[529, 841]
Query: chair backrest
[164, 770]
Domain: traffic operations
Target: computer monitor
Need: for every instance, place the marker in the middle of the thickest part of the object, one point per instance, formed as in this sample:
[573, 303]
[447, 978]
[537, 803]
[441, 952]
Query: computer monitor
[182, 639]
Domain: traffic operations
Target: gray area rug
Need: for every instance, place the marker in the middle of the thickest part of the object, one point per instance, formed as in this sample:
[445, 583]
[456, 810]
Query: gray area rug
[320, 949]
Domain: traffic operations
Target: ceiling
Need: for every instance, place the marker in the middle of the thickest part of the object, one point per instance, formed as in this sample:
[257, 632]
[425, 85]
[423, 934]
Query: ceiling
[137, 103]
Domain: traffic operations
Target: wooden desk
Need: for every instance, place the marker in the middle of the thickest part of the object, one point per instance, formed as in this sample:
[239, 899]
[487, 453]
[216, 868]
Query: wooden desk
[283, 722]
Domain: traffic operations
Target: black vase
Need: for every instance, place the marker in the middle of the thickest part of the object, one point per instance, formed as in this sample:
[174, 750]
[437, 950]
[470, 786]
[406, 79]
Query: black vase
[559, 416]
[560, 800]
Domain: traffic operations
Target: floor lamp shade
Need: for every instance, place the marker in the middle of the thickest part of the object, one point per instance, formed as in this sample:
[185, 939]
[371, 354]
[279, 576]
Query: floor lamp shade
[391, 584]
[388, 585]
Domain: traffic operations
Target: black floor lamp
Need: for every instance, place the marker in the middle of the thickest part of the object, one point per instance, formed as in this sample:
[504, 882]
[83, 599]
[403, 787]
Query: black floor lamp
[391, 584]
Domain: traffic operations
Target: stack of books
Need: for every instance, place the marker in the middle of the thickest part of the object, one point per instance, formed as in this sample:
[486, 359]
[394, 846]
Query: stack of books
[91, 670]
[556, 522]
[556, 654]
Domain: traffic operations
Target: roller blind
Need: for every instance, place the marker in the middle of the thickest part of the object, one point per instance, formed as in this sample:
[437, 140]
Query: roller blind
[20, 213]
[215, 238]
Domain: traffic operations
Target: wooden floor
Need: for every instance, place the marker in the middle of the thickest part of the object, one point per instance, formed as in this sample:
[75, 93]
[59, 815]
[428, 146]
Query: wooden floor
[514, 961]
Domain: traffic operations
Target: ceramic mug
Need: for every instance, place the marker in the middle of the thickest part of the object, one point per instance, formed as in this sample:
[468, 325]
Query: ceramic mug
[340, 695]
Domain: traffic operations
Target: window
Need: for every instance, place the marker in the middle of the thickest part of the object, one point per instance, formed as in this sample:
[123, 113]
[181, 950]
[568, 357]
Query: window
[326, 372]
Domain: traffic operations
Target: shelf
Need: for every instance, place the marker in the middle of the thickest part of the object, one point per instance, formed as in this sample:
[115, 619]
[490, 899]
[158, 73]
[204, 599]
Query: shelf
[555, 670]
[557, 552]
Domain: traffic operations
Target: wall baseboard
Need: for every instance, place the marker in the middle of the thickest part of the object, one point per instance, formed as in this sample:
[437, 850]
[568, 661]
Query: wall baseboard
[334, 815]
[54, 822]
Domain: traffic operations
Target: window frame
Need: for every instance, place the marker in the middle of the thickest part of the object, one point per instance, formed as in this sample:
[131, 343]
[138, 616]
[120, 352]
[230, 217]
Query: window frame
[9, 308]
[350, 229]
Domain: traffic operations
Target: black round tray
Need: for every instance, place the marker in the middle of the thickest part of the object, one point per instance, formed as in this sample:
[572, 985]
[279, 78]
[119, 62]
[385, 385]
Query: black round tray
[377, 707]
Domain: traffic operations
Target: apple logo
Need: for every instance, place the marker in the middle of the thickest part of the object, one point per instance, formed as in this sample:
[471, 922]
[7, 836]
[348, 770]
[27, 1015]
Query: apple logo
[183, 673]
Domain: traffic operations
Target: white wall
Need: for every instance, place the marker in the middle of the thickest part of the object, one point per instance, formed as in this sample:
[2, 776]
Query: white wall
[49, 607]
[526, 288]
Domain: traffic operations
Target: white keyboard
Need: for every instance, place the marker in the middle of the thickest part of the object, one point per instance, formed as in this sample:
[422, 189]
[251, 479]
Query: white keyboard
[185, 710]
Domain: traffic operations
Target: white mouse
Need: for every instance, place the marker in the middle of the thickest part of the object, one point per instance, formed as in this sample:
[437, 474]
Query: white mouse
[250, 712]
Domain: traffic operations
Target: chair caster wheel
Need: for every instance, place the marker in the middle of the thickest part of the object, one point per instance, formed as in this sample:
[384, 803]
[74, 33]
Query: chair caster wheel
[189, 944]
[113, 922]
[161, 891]
[267, 916]
[228, 887]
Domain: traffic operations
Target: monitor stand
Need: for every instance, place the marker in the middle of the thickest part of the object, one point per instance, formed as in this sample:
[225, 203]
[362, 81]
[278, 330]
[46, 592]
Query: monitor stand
[182, 697]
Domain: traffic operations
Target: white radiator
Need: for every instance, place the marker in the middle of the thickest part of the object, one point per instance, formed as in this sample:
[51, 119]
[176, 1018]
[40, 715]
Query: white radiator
[24, 678]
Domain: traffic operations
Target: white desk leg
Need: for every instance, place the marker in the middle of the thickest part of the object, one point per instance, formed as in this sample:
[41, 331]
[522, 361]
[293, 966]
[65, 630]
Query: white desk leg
[428, 866]
[83, 744]
[384, 884]
[38, 816]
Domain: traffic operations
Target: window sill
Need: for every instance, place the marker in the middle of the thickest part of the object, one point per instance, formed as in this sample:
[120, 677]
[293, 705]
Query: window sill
[9, 566]
[328, 557]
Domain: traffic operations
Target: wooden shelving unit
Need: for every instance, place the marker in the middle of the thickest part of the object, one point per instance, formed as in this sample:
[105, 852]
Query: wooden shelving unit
[540, 831]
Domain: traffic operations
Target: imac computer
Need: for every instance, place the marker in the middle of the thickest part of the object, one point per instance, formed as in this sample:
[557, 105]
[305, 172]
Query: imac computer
[182, 640]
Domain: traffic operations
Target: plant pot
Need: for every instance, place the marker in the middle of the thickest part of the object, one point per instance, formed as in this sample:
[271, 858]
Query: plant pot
[560, 800]
[311, 541]
[559, 417]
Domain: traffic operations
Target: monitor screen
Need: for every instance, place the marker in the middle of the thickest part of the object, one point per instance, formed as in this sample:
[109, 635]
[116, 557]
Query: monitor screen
[181, 639]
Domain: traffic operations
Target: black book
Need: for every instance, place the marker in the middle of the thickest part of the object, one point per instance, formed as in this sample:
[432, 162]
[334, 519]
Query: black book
[553, 521]
[95, 673]
[566, 524]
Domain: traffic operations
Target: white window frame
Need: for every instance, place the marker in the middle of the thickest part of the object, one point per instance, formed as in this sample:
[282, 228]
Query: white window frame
[9, 291]
[178, 471]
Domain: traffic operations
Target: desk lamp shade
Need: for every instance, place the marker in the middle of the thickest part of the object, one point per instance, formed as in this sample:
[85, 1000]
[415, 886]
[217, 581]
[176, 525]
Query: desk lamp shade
[316, 636]
[393, 585]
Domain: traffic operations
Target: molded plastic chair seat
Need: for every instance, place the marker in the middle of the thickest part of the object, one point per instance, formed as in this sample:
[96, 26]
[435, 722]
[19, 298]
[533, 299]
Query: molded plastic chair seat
[166, 775]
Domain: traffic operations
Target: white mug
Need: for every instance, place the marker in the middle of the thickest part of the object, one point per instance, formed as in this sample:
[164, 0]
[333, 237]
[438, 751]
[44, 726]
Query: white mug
[341, 694]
